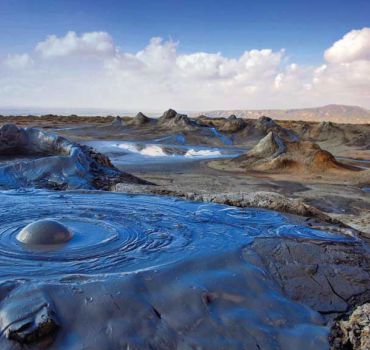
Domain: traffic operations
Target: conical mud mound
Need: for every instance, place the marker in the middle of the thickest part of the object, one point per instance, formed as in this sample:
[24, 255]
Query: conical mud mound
[275, 154]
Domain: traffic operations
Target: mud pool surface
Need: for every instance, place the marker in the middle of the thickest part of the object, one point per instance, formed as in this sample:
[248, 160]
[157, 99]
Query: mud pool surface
[150, 272]
[139, 155]
[116, 233]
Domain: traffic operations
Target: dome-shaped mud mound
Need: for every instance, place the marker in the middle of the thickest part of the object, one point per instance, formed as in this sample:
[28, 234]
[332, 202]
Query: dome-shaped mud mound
[118, 122]
[263, 126]
[172, 119]
[248, 131]
[44, 233]
[233, 124]
[58, 162]
[140, 120]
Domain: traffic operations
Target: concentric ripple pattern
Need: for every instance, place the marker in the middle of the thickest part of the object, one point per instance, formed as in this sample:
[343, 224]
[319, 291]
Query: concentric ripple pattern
[118, 233]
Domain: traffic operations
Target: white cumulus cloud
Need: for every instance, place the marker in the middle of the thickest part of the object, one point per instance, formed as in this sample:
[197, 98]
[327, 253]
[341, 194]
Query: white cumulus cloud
[354, 46]
[159, 72]
[95, 73]
[92, 43]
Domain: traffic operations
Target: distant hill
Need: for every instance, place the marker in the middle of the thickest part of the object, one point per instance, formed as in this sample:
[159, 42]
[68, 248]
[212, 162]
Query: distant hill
[330, 113]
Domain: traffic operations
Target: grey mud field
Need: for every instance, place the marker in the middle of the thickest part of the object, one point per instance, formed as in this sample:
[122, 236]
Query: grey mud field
[180, 233]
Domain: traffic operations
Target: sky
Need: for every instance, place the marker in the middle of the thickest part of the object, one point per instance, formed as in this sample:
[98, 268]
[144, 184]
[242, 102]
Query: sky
[189, 55]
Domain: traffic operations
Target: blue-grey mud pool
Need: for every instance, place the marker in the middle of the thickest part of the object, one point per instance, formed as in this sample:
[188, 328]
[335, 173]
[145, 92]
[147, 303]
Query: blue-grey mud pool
[117, 233]
[154, 272]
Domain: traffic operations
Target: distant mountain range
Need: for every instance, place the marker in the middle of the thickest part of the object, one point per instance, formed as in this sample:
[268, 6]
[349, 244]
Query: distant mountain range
[330, 113]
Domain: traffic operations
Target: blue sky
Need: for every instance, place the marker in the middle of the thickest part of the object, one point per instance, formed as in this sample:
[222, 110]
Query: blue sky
[304, 28]
[191, 55]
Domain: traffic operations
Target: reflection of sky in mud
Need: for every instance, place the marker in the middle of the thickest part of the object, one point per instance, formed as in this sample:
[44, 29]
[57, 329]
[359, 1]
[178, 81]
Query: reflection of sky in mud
[225, 139]
[115, 233]
[123, 152]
